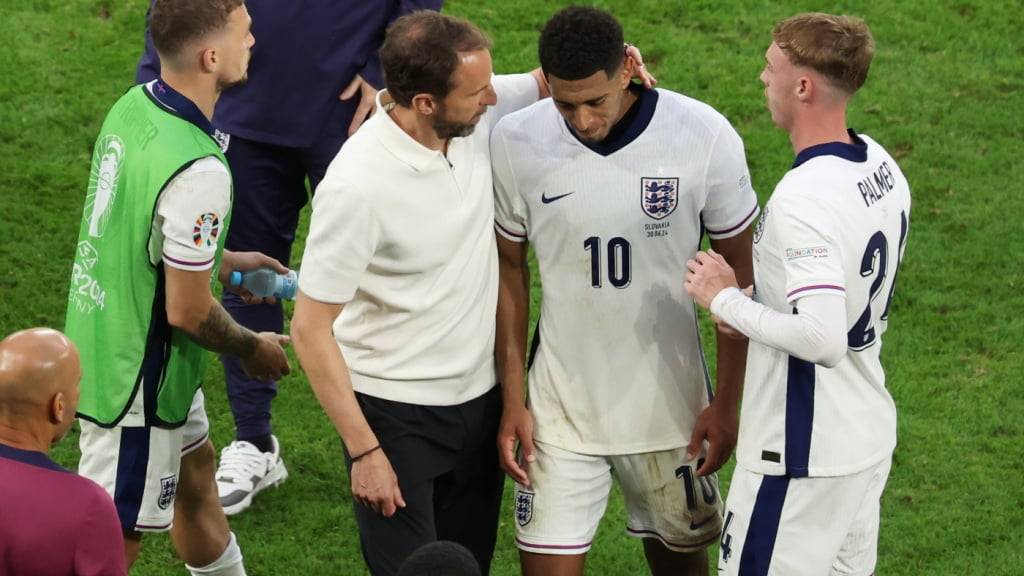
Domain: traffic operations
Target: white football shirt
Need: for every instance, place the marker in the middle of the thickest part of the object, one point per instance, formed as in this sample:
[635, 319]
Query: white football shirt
[619, 368]
[190, 216]
[836, 223]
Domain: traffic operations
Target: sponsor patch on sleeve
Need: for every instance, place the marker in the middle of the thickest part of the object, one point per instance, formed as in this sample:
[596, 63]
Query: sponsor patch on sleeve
[206, 230]
[812, 252]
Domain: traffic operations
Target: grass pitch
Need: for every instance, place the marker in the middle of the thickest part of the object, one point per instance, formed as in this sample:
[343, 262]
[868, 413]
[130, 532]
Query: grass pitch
[944, 96]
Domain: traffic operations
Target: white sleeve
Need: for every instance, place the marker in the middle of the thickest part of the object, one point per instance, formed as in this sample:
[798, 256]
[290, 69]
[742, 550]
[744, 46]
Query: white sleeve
[190, 216]
[731, 203]
[808, 247]
[515, 92]
[815, 333]
[510, 215]
[343, 233]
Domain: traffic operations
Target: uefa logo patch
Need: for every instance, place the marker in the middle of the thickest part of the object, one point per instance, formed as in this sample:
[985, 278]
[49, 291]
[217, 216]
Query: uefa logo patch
[759, 228]
[659, 196]
[524, 507]
[168, 488]
[206, 230]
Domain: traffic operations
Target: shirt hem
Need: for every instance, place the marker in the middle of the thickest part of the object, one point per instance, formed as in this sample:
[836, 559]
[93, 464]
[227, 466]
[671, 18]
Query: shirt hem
[509, 234]
[759, 467]
[735, 229]
[437, 392]
[324, 297]
[180, 264]
[615, 449]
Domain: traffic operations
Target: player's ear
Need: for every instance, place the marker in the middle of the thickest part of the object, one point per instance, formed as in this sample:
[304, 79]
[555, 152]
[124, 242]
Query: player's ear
[57, 408]
[424, 104]
[208, 59]
[628, 69]
[804, 88]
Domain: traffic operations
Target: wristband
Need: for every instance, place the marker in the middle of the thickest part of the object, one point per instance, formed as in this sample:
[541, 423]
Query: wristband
[370, 451]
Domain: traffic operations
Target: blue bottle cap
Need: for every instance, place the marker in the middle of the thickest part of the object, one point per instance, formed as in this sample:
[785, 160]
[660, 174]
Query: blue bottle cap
[289, 285]
[235, 279]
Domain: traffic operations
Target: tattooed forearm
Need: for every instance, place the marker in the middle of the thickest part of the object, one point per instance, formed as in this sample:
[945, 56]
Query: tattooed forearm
[221, 334]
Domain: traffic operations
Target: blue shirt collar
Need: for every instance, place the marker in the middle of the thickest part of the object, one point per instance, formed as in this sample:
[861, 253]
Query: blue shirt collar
[629, 127]
[178, 104]
[30, 457]
[856, 152]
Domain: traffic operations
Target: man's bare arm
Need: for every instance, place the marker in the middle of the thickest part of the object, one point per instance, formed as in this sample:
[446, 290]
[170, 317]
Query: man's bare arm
[510, 356]
[719, 423]
[374, 483]
[513, 317]
[732, 352]
[191, 308]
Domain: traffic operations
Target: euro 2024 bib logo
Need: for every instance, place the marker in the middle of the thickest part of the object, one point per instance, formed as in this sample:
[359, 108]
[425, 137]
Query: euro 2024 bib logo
[103, 177]
[659, 196]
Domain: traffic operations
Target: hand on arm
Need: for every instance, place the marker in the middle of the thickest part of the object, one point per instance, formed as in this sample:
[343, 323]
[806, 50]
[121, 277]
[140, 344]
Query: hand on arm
[374, 483]
[192, 309]
[510, 355]
[816, 330]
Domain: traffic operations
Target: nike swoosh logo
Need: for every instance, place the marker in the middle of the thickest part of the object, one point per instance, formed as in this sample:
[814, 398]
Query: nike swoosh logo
[696, 525]
[548, 200]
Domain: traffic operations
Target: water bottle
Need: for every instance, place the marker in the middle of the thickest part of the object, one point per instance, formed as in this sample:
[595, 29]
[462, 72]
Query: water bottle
[265, 283]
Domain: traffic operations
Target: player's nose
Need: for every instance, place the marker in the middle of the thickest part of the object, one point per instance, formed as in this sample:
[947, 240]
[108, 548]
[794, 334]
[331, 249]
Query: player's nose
[490, 96]
[584, 120]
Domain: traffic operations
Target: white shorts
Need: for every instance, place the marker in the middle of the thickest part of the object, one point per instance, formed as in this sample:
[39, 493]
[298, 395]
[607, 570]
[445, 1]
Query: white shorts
[777, 525]
[138, 466]
[560, 512]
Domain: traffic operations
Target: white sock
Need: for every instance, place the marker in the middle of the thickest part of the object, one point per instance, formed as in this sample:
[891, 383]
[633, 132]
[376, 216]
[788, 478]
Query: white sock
[229, 563]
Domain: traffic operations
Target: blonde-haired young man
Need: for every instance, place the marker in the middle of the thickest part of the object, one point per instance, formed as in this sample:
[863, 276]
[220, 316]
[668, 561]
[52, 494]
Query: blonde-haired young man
[817, 427]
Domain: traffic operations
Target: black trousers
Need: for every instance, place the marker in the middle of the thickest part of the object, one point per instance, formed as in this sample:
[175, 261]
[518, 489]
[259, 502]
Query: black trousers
[446, 461]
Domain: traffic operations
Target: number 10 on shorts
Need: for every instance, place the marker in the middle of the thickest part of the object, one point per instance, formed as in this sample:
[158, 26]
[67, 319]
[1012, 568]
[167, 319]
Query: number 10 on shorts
[707, 489]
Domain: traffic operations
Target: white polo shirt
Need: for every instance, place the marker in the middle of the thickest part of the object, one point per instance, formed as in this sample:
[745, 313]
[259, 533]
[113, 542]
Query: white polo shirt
[404, 237]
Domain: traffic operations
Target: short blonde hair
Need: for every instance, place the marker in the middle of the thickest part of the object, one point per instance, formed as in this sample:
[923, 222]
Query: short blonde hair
[840, 48]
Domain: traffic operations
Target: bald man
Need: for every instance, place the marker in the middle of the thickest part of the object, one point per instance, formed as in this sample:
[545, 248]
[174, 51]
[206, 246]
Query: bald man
[54, 522]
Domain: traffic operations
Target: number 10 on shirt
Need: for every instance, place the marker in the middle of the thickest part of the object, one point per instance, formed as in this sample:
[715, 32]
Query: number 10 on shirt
[618, 251]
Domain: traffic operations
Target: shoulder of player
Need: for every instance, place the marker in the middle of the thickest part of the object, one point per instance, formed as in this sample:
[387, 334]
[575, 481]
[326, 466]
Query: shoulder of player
[364, 149]
[803, 198]
[207, 175]
[204, 167]
[695, 113]
[525, 120]
[798, 183]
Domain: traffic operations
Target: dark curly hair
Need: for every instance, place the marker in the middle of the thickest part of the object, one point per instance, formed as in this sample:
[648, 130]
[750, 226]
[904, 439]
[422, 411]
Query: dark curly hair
[580, 40]
[421, 52]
